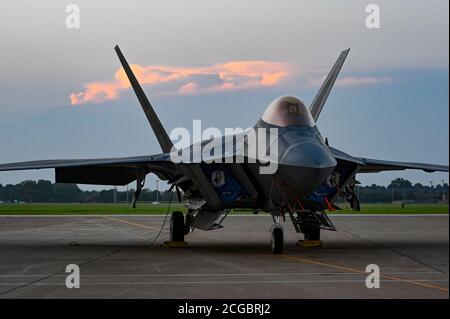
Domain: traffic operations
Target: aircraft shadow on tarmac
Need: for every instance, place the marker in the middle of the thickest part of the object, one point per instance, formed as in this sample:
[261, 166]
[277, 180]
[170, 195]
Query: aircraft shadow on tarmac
[233, 248]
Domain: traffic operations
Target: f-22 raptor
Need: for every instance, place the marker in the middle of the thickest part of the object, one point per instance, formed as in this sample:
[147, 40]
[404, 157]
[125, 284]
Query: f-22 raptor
[310, 175]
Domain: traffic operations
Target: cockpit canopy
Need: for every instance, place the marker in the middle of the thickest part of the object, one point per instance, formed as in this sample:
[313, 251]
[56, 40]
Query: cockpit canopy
[288, 110]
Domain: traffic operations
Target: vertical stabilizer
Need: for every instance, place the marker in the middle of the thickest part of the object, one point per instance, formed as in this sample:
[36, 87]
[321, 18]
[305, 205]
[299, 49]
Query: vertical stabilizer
[321, 97]
[161, 134]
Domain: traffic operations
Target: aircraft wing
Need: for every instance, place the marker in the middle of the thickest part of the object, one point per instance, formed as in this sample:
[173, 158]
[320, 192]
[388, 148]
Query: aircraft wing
[101, 171]
[374, 166]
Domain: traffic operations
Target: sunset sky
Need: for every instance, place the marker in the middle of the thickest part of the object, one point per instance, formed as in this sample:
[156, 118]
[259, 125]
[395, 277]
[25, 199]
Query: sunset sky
[63, 94]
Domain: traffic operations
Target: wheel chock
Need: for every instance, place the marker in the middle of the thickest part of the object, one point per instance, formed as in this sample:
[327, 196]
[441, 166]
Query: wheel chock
[309, 243]
[175, 244]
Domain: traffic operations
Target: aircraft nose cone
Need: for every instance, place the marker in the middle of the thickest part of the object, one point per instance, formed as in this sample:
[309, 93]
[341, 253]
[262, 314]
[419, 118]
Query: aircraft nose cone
[305, 166]
[309, 155]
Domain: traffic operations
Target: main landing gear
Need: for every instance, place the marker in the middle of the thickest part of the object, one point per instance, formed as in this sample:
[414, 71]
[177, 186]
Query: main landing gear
[312, 237]
[311, 232]
[310, 223]
[177, 229]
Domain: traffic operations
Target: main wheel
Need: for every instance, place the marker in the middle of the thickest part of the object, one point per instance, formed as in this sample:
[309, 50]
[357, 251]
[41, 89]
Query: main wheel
[312, 233]
[277, 240]
[177, 226]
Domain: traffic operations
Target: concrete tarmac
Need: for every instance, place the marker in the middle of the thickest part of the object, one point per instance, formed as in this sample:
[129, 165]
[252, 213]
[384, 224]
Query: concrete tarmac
[117, 259]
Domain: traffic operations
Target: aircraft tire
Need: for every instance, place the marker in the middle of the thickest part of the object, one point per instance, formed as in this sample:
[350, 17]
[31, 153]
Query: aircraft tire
[177, 226]
[277, 240]
[312, 233]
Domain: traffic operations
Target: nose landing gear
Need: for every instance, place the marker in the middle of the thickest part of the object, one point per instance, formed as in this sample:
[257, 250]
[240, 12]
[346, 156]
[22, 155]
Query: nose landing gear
[277, 239]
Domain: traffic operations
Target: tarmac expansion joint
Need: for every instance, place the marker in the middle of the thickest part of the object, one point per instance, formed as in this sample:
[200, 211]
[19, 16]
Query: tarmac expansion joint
[309, 243]
[175, 244]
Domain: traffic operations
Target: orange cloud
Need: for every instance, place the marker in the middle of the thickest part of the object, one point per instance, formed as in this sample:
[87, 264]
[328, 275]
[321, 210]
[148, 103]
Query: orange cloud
[189, 88]
[232, 75]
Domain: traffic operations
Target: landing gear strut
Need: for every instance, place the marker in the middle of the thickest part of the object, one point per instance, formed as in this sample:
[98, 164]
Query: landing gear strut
[140, 182]
[177, 227]
[187, 222]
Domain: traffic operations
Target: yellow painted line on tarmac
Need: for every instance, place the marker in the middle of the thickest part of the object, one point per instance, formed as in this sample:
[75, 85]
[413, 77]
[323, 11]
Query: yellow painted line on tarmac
[354, 270]
[120, 220]
[309, 261]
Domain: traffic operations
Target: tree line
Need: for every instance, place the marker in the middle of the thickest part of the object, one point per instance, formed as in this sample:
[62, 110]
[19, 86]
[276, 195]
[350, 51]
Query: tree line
[401, 189]
[43, 191]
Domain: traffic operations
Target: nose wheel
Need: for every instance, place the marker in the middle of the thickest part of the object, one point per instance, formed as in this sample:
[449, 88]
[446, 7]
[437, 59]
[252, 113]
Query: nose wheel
[277, 239]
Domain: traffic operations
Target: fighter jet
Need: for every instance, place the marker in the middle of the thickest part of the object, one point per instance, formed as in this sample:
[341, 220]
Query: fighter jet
[310, 175]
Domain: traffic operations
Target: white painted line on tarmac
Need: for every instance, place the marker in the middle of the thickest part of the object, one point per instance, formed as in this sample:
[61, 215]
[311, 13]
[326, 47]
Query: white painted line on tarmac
[229, 274]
